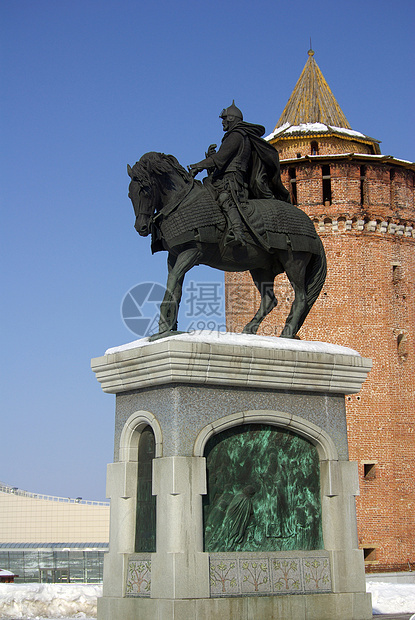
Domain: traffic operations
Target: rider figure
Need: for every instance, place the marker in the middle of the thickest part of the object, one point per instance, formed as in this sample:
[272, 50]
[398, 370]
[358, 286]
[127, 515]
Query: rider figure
[245, 166]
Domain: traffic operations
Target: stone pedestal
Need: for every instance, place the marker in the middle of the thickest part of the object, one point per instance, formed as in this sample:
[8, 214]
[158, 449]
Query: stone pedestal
[188, 388]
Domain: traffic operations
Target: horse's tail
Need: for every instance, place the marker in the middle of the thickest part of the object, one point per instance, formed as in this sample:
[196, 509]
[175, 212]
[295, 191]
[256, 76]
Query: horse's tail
[315, 278]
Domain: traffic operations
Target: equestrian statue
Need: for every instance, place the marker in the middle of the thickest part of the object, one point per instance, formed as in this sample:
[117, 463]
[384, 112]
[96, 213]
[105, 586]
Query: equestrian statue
[239, 218]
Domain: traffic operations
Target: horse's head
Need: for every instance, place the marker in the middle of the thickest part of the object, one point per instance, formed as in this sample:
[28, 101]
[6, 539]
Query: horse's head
[153, 178]
[141, 192]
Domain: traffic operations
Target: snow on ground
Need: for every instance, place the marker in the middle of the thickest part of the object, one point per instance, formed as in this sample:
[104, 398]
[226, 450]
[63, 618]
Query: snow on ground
[64, 601]
[392, 598]
[44, 600]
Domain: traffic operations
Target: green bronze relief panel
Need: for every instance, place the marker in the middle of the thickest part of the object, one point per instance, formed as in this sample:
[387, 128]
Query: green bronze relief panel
[263, 491]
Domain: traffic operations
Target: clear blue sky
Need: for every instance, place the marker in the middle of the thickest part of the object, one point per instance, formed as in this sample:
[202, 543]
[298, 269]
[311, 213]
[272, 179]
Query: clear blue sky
[89, 86]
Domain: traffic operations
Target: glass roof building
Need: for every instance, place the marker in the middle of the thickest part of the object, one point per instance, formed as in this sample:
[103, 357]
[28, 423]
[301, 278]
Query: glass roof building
[52, 539]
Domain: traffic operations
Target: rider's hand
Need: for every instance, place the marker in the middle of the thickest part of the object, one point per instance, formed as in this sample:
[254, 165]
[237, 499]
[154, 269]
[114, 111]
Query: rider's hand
[194, 169]
[211, 150]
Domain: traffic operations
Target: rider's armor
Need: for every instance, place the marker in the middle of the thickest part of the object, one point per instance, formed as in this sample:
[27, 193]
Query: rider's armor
[238, 163]
[243, 159]
[229, 181]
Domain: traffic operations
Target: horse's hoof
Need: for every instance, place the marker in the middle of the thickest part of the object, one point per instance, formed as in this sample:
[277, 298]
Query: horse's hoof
[164, 335]
[251, 331]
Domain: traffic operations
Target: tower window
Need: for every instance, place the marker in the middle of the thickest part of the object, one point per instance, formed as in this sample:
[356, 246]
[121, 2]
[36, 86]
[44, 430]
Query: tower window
[326, 185]
[396, 272]
[392, 185]
[293, 184]
[369, 554]
[402, 345]
[314, 148]
[363, 197]
[369, 471]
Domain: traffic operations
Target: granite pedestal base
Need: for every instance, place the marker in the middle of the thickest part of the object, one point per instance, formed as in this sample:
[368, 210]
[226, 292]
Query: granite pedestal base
[338, 606]
[188, 388]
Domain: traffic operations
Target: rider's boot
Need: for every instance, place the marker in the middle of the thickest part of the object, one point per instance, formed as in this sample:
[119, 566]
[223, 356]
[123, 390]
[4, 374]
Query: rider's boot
[235, 237]
[235, 234]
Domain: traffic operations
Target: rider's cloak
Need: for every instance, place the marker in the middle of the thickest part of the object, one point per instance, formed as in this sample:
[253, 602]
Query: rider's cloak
[264, 173]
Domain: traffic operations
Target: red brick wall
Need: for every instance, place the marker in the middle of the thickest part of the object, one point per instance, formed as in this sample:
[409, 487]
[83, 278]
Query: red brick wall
[368, 304]
[289, 148]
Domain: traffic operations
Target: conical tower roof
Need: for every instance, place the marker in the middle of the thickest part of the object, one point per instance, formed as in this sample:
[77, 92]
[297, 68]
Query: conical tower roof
[312, 111]
[312, 100]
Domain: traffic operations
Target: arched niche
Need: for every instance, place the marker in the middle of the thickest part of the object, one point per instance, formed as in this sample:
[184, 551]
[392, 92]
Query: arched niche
[145, 528]
[130, 435]
[263, 482]
[317, 436]
[140, 443]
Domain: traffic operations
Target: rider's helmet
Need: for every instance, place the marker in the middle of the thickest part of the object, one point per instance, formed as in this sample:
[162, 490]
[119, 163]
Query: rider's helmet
[232, 111]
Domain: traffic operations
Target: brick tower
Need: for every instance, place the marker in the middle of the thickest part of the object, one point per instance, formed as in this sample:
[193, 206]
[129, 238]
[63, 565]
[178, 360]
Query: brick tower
[362, 203]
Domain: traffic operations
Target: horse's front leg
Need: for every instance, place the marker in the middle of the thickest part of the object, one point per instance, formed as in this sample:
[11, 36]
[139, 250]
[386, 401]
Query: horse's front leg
[178, 267]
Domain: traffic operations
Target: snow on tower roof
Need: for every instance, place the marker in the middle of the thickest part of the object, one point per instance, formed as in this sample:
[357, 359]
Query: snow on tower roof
[315, 128]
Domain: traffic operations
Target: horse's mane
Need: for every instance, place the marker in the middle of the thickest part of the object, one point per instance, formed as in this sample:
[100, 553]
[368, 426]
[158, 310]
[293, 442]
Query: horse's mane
[157, 164]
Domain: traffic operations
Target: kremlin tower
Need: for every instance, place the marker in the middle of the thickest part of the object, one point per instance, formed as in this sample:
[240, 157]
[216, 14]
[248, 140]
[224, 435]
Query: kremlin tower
[362, 204]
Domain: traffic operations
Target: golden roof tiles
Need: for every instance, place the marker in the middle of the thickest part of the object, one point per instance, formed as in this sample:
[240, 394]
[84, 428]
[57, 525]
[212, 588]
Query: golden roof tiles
[312, 100]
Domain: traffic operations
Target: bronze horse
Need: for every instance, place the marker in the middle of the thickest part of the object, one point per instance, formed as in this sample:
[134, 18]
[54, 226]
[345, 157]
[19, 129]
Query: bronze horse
[185, 220]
